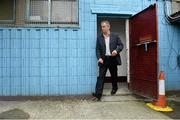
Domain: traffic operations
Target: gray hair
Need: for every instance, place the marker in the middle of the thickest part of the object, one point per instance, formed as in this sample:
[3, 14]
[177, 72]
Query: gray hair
[105, 21]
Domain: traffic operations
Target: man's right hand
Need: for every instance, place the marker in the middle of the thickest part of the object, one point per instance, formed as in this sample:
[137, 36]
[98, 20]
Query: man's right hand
[100, 61]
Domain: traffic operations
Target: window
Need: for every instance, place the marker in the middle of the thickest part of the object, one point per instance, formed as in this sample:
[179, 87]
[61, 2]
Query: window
[64, 11]
[52, 11]
[175, 5]
[37, 11]
[7, 11]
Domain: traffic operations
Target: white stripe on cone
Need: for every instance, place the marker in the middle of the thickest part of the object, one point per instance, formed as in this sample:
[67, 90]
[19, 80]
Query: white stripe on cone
[161, 87]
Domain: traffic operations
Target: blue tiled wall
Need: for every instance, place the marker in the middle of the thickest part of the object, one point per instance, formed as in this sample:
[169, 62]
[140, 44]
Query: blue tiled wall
[169, 45]
[60, 61]
[46, 61]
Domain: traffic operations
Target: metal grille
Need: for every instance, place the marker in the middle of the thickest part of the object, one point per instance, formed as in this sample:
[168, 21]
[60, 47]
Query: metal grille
[64, 11]
[38, 10]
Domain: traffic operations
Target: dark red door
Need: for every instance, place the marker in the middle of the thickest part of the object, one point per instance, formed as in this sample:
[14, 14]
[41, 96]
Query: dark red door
[143, 52]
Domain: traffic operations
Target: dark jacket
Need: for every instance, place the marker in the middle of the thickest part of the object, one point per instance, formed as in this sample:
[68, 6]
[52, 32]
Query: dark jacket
[115, 44]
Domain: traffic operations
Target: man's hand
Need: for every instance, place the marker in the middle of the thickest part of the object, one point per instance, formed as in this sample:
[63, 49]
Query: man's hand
[100, 61]
[114, 53]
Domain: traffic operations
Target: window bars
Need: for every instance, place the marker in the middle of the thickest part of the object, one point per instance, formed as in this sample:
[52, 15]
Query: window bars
[64, 11]
[37, 11]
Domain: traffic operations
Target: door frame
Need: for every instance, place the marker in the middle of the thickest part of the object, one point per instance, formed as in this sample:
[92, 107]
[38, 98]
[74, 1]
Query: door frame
[128, 50]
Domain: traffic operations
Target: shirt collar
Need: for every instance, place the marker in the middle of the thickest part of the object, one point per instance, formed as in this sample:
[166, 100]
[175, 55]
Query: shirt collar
[108, 35]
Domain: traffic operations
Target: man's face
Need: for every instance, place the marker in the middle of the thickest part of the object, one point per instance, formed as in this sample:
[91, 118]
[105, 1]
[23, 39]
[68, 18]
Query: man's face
[105, 27]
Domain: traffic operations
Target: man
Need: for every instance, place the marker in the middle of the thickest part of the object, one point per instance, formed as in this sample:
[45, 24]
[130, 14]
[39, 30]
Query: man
[108, 47]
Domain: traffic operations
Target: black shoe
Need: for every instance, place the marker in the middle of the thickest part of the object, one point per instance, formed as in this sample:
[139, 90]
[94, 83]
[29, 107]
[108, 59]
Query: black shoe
[96, 97]
[113, 92]
[94, 94]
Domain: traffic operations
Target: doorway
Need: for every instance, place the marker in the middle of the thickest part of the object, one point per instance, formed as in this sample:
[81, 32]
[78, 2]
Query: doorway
[139, 35]
[119, 26]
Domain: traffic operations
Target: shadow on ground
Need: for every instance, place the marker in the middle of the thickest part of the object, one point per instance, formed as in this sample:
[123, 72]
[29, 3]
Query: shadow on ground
[14, 114]
[174, 102]
[176, 110]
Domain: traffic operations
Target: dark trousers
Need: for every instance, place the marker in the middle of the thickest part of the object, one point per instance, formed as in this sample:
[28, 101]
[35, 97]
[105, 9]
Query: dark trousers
[111, 64]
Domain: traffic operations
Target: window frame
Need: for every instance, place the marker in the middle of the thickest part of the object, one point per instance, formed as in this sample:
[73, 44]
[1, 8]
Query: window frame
[13, 17]
[49, 21]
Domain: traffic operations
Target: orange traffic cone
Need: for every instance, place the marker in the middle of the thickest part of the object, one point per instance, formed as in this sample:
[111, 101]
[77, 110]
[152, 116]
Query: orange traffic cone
[160, 104]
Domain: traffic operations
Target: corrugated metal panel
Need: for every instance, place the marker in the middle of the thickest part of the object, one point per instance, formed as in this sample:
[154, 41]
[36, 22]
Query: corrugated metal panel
[46, 62]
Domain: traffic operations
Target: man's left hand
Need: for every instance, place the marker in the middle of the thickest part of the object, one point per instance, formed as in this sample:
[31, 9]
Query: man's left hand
[114, 53]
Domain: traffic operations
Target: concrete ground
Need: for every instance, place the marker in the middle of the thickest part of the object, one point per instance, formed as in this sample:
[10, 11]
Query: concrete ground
[123, 105]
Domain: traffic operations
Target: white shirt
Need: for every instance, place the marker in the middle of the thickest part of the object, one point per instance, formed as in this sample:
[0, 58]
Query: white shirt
[108, 53]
